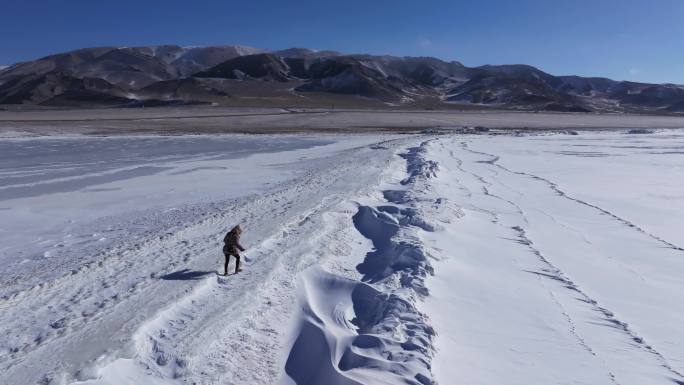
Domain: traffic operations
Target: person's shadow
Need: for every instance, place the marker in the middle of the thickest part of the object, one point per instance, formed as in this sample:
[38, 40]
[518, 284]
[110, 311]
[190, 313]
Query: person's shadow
[185, 275]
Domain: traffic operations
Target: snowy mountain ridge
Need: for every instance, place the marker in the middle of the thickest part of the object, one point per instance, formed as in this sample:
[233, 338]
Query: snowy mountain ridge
[235, 74]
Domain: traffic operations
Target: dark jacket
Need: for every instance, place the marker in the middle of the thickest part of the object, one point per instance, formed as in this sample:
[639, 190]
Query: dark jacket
[232, 241]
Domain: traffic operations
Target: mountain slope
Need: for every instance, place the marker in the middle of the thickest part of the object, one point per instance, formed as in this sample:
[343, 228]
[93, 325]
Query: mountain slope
[262, 66]
[514, 91]
[57, 87]
[306, 77]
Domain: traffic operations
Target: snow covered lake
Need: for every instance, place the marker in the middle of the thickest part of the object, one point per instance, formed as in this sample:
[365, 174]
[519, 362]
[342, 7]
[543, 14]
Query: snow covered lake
[61, 195]
[567, 265]
[372, 259]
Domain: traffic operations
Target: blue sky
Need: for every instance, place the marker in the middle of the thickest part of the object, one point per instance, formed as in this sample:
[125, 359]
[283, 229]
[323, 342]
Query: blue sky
[640, 40]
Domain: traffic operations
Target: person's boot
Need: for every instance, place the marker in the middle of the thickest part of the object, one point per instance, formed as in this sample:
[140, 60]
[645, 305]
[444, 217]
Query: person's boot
[237, 266]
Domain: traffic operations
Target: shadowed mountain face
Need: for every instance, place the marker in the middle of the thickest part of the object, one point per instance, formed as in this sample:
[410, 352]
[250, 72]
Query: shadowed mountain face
[183, 89]
[348, 75]
[124, 76]
[59, 88]
[263, 66]
[523, 90]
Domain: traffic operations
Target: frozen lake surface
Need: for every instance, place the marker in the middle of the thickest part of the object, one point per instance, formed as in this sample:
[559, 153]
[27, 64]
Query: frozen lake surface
[566, 266]
[62, 195]
[371, 259]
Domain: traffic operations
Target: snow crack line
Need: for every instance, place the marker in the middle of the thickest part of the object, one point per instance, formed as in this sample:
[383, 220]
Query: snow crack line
[554, 273]
[494, 161]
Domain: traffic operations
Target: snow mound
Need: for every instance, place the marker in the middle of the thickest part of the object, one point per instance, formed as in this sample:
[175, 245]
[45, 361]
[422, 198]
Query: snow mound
[391, 255]
[369, 331]
[417, 164]
[344, 335]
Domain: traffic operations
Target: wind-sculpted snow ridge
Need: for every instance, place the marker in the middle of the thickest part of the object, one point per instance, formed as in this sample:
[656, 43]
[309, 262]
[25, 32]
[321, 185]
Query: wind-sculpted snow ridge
[391, 227]
[369, 331]
[395, 250]
[418, 166]
[353, 333]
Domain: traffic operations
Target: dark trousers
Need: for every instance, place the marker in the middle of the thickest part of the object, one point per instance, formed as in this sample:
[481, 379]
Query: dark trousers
[237, 263]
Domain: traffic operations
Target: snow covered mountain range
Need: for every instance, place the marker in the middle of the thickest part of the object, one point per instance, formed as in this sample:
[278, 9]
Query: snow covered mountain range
[240, 75]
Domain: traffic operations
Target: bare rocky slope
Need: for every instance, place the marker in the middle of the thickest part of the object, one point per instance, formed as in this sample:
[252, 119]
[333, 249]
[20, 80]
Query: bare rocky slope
[239, 75]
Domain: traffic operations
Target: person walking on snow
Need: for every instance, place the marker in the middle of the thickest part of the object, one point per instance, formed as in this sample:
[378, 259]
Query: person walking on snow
[232, 247]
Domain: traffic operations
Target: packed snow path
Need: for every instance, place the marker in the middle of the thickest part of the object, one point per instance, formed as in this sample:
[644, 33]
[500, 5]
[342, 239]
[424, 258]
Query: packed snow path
[550, 259]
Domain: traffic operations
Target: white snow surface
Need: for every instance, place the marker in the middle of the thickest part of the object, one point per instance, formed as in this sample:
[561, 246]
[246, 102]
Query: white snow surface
[450, 259]
[559, 272]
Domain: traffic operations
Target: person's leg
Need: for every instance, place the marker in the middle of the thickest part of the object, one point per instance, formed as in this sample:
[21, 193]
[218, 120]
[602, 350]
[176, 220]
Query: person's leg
[237, 262]
[225, 267]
